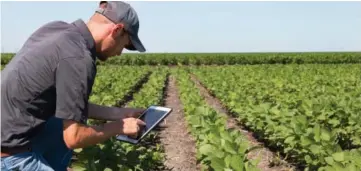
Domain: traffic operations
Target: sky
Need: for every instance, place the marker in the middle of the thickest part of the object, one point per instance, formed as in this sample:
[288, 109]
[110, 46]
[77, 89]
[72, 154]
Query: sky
[207, 26]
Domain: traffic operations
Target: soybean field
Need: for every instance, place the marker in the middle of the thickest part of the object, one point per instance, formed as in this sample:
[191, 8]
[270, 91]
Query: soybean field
[233, 112]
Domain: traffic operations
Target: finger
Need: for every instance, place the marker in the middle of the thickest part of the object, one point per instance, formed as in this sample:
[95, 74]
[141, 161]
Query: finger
[140, 122]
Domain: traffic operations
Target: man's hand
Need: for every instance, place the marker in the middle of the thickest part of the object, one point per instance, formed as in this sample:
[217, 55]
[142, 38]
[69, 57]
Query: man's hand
[131, 127]
[77, 135]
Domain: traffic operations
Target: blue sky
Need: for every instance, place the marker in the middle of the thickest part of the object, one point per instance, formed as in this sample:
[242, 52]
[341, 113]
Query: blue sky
[208, 26]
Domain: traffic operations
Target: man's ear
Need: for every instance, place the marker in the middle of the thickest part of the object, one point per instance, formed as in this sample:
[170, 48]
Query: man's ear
[118, 29]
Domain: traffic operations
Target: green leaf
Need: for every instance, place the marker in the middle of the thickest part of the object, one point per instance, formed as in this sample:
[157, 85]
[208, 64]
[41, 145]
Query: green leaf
[329, 160]
[322, 117]
[315, 149]
[334, 122]
[356, 140]
[316, 131]
[340, 156]
[325, 135]
[338, 167]
[78, 150]
[237, 163]
[289, 139]
[78, 167]
[308, 159]
[217, 164]
[305, 141]
[206, 149]
[228, 160]
[352, 167]
[229, 147]
[301, 119]
[226, 136]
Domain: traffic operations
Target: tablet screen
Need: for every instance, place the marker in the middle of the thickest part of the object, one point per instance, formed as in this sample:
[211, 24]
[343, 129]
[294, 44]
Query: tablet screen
[151, 117]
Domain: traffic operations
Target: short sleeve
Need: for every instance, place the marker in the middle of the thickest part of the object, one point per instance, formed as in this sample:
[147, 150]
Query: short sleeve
[74, 81]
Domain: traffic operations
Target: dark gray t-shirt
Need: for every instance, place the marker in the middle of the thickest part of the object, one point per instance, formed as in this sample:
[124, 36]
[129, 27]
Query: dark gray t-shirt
[52, 75]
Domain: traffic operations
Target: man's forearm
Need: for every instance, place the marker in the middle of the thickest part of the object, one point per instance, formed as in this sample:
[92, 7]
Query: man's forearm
[79, 136]
[108, 113]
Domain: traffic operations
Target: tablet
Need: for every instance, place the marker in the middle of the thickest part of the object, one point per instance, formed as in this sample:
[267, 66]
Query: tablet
[152, 117]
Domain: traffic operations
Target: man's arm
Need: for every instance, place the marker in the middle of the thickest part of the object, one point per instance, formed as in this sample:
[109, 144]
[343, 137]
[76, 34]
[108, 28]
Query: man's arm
[74, 79]
[77, 135]
[111, 113]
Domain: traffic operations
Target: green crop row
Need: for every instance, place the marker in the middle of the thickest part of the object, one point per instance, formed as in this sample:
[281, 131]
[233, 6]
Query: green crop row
[114, 84]
[113, 154]
[310, 112]
[6, 57]
[152, 92]
[218, 148]
[226, 58]
[235, 58]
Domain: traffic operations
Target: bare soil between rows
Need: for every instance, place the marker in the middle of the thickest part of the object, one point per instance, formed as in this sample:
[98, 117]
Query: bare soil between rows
[178, 144]
[268, 159]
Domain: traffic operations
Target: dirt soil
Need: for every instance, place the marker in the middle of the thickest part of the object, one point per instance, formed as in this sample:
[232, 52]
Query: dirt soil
[267, 156]
[179, 146]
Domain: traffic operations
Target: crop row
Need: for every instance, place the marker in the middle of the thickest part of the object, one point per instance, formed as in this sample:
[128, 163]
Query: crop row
[6, 57]
[309, 112]
[235, 58]
[116, 84]
[116, 155]
[152, 93]
[218, 148]
[226, 58]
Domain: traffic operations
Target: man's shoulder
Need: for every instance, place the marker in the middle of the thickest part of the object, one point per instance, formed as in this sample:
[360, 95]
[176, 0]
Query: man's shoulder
[50, 30]
[72, 43]
[65, 39]
[52, 42]
[54, 33]
[57, 23]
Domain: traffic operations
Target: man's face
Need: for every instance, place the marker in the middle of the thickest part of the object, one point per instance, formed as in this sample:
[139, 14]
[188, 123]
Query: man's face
[114, 43]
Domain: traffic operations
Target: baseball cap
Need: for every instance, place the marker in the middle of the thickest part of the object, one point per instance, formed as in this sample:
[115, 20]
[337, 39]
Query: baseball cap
[121, 12]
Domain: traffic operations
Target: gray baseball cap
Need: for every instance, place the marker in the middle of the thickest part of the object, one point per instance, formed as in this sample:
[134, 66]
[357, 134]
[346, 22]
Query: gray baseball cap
[121, 12]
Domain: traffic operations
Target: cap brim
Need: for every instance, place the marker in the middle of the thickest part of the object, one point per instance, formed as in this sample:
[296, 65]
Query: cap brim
[137, 45]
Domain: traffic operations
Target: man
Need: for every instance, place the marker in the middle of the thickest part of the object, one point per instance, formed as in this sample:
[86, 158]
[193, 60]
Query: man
[46, 86]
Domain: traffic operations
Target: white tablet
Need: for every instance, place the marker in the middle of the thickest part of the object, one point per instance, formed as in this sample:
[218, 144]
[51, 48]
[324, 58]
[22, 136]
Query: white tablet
[152, 117]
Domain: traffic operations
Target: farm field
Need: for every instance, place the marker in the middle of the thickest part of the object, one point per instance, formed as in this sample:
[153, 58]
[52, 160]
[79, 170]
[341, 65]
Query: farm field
[226, 58]
[308, 112]
[260, 112]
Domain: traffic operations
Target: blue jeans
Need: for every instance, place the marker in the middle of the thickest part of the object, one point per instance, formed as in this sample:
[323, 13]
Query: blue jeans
[49, 152]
